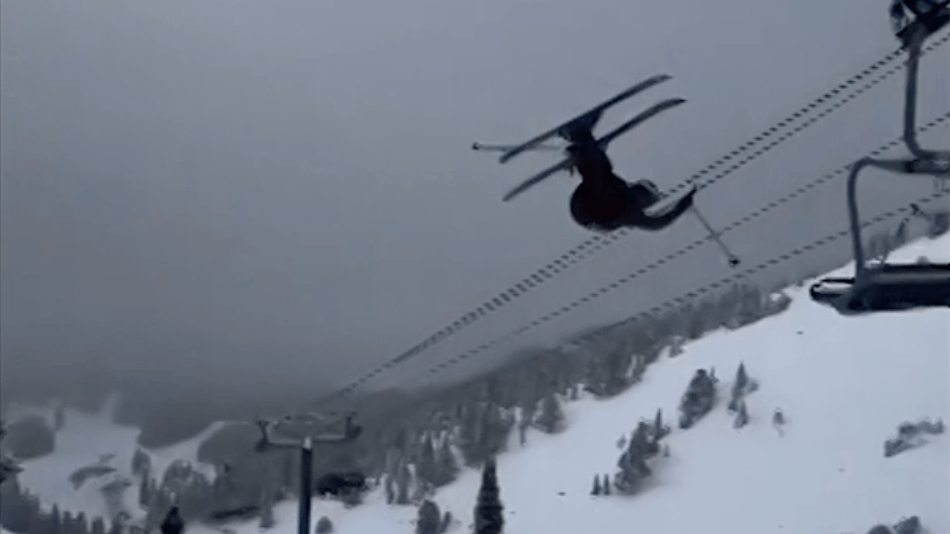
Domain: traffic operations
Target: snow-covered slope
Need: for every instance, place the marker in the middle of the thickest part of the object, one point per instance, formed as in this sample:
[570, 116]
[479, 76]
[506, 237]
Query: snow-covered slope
[844, 384]
[82, 441]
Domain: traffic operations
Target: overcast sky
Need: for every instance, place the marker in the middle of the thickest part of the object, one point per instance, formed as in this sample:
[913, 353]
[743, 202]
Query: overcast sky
[285, 189]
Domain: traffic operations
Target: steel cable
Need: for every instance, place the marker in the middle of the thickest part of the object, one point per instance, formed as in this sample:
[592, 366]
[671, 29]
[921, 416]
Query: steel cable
[844, 92]
[656, 264]
[723, 282]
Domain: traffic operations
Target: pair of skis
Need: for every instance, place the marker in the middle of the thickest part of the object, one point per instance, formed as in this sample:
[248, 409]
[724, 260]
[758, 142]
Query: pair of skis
[586, 122]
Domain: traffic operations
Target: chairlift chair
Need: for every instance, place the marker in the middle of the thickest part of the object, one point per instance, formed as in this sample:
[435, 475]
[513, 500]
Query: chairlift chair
[895, 287]
[885, 287]
[929, 16]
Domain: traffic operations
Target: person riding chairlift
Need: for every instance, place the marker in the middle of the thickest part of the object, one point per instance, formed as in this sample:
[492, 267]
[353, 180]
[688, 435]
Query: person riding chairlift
[924, 10]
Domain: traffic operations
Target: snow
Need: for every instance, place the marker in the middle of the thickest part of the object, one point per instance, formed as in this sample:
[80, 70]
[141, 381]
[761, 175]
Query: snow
[83, 439]
[844, 384]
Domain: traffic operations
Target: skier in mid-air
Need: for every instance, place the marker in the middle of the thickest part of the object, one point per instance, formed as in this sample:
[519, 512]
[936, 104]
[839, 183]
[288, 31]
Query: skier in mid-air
[603, 201]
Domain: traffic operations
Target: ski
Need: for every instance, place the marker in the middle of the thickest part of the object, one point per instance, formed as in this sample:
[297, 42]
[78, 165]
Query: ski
[563, 165]
[649, 113]
[590, 116]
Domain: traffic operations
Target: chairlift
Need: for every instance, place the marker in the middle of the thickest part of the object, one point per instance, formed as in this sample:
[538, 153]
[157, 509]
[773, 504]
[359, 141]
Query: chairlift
[929, 16]
[884, 287]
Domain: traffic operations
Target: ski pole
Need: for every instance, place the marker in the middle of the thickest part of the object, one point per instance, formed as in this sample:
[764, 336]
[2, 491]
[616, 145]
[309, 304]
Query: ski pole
[733, 259]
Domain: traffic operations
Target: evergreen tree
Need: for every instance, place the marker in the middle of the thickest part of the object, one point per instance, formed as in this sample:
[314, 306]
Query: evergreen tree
[56, 521]
[82, 526]
[484, 432]
[172, 523]
[659, 431]
[741, 378]
[98, 526]
[632, 463]
[778, 418]
[739, 388]
[159, 506]
[488, 509]
[596, 490]
[527, 415]
[742, 417]
[145, 492]
[15, 513]
[141, 463]
[470, 433]
[425, 465]
[69, 523]
[352, 497]
[403, 478]
[446, 466]
[429, 519]
[640, 444]
[622, 441]
[496, 424]
[616, 365]
[59, 418]
[38, 522]
[390, 489]
[267, 510]
[606, 484]
[196, 496]
[639, 367]
[289, 470]
[551, 418]
[446, 522]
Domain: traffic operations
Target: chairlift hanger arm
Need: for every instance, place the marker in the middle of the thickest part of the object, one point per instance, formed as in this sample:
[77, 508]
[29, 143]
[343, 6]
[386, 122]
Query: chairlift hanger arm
[916, 38]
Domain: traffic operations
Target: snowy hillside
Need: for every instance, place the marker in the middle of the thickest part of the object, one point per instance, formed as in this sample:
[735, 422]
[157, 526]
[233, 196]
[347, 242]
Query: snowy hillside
[84, 440]
[844, 384]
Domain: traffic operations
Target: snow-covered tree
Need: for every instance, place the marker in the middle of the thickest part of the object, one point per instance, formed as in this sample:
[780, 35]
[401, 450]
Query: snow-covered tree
[430, 519]
[551, 418]
[742, 415]
[489, 518]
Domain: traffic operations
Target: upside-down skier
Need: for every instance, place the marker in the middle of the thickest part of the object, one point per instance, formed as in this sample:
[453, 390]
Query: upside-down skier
[604, 201]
